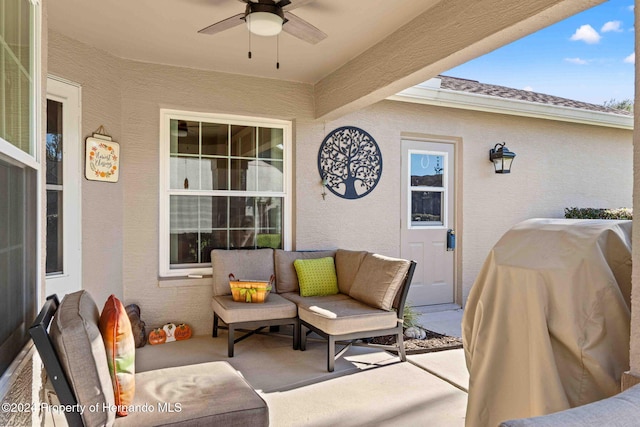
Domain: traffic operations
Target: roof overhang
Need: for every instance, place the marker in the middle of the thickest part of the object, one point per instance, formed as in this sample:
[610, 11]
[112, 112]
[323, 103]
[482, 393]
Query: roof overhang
[429, 95]
[449, 34]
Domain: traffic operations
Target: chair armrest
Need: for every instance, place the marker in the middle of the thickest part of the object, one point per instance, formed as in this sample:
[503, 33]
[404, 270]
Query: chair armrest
[40, 336]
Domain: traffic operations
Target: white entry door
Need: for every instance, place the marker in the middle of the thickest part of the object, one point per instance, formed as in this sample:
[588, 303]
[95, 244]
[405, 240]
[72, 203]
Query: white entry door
[427, 218]
[64, 172]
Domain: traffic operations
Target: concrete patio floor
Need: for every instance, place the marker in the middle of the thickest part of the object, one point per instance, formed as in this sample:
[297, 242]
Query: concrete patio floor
[369, 387]
[431, 389]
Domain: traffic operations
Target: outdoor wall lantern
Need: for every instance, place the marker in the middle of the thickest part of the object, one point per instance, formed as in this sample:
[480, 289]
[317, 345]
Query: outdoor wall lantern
[501, 158]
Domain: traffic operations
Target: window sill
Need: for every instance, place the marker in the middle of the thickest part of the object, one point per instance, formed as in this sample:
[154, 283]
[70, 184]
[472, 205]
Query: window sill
[176, 282]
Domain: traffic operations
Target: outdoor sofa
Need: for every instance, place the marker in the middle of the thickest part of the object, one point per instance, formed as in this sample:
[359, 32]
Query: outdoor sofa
[368, 302]
[620, 410]
[73, 352]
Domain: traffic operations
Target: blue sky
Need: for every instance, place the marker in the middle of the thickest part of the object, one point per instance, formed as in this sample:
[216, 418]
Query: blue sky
[587, 57]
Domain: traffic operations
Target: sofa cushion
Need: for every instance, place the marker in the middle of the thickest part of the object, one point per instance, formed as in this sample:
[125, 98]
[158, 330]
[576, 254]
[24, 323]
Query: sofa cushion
[347, 266]
[275, 307]
[245, 264]
[286, 276]
[345, 316]
[620, 410]
[378, 280]
[76, 338]
[307, 302]
[316, 276]
[119, 344]
[205, 394]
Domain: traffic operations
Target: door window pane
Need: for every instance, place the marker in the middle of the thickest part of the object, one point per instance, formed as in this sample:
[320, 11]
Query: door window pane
[55, 189]
[427, 170]
[54, 142]
[426, 208]
[54, 232]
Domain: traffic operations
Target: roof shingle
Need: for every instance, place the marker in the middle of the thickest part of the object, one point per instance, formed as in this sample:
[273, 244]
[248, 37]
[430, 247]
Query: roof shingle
[474, 86]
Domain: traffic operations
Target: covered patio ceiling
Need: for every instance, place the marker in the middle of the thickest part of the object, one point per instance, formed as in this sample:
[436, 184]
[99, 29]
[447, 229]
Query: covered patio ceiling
[373, 49]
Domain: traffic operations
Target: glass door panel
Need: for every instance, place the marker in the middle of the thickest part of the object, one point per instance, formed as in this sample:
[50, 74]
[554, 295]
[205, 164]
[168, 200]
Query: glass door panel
[55, 188]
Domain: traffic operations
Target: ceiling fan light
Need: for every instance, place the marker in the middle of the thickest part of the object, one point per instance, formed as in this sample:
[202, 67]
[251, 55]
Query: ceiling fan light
[264, 23]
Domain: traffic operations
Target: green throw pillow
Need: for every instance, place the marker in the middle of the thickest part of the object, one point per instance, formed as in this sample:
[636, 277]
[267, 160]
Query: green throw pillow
[316, 276]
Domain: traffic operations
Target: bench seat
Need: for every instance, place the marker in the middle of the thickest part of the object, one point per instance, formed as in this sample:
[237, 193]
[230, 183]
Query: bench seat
[340, 314]
[275, 307]
[203, 394]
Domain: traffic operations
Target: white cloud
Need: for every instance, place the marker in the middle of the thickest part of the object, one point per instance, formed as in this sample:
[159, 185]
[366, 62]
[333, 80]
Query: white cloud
[587, 34]
[577, 61]
[631, 59]
[612, 26]
[631, 8]
[528, 88]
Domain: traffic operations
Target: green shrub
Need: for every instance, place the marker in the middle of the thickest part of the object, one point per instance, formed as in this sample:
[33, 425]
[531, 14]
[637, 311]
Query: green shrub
[411, 316]
[594, 213]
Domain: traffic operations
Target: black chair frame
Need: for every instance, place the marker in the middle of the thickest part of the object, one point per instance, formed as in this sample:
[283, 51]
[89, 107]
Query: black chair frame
[254, 327]
[40, 336]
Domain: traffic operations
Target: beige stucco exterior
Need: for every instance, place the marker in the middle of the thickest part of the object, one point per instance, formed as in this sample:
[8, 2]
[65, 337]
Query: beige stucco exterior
[558, 166]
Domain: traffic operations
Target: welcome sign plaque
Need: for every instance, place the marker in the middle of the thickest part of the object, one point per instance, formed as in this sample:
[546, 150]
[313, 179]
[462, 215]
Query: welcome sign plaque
[102, 162]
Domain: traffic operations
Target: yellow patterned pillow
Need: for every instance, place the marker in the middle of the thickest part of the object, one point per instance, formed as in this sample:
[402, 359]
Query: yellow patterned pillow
[316, 276]
[115, 329]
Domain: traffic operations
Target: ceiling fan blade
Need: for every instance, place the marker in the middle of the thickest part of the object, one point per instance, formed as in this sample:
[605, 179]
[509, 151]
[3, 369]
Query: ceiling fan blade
[225, 24]
[301, 29]
[292, 4]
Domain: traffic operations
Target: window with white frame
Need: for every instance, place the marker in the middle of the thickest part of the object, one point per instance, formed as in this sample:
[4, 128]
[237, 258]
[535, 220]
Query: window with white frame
[19, 174]
[428, 188]
[224, 184]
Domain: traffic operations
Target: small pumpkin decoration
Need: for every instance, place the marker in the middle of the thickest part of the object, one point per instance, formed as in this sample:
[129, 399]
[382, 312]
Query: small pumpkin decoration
[183, 332]
[157, 336]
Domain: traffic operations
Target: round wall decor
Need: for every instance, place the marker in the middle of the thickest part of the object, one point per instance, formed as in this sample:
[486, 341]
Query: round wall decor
[349, 162]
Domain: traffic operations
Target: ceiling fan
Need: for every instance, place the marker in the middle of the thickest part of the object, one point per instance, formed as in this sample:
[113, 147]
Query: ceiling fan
[269, 18]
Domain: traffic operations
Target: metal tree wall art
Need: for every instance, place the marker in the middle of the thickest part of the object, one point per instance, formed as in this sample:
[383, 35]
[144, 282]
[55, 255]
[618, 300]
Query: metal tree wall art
[349, 162]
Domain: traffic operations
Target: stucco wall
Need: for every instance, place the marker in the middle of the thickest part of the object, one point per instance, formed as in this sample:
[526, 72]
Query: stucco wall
[99, 74]
[146, 89]
[120, 225]
[558, 165]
